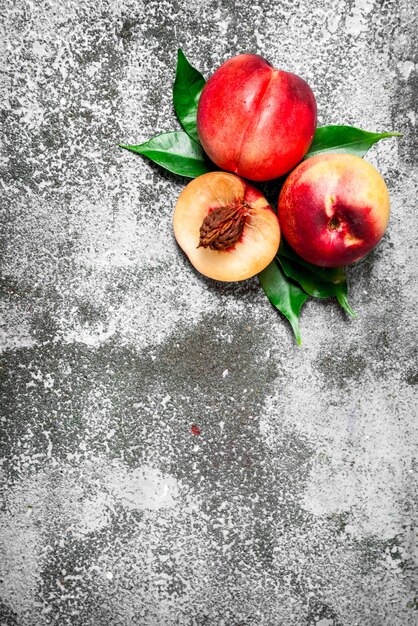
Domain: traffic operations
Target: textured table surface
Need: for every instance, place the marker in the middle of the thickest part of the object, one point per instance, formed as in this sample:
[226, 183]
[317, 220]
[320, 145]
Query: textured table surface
[295, 503]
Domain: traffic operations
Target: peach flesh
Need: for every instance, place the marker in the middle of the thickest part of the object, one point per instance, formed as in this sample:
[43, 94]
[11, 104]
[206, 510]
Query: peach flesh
[334, 209]
[254, 120]
[226, 227]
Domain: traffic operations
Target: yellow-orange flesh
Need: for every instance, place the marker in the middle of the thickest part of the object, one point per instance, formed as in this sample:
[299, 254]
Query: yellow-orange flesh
[260, 238]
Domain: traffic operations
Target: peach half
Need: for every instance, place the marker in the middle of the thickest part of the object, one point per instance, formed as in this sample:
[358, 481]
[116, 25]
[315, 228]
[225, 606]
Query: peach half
[226, 227]
[334, 209]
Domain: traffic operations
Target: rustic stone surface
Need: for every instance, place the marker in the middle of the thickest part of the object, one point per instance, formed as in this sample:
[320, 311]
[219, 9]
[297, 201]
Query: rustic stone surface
[295, 503]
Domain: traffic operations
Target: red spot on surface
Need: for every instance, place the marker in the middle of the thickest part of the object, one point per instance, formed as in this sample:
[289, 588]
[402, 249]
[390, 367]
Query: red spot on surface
[196, 430]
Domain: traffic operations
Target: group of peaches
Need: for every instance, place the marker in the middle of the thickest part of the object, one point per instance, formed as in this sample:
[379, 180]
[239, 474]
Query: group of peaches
[251, 122]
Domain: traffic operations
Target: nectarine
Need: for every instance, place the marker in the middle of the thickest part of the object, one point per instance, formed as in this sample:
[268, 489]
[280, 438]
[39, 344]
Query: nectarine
[254, 120]
[334, 209]
[226, 227]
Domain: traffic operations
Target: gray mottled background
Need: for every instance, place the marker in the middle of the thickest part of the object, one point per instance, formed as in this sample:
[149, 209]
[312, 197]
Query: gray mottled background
[295, 504]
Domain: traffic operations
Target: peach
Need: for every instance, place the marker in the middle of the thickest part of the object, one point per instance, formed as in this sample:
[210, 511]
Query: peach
[334, 209]
[226, 227]
[254, 120]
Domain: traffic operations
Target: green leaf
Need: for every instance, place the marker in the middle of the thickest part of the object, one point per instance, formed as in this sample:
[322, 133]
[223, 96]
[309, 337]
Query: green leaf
[345, 139]
[284, 294]
[187, 88]
[318, 282]
[341, 296]
[174, 151]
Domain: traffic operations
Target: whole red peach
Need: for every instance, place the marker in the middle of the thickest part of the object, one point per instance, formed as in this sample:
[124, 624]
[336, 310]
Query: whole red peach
[226, 227]
[254, 120]
[334, 209]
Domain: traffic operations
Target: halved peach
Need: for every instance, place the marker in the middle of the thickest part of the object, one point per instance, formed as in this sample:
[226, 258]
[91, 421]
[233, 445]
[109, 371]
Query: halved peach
[226, 227]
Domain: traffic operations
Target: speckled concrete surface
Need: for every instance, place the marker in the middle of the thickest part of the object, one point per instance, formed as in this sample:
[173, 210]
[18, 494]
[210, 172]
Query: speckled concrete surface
[295, 503]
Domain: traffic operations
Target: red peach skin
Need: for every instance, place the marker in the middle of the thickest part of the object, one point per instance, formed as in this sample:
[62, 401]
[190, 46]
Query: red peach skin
[334, 209]
[254, 120]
